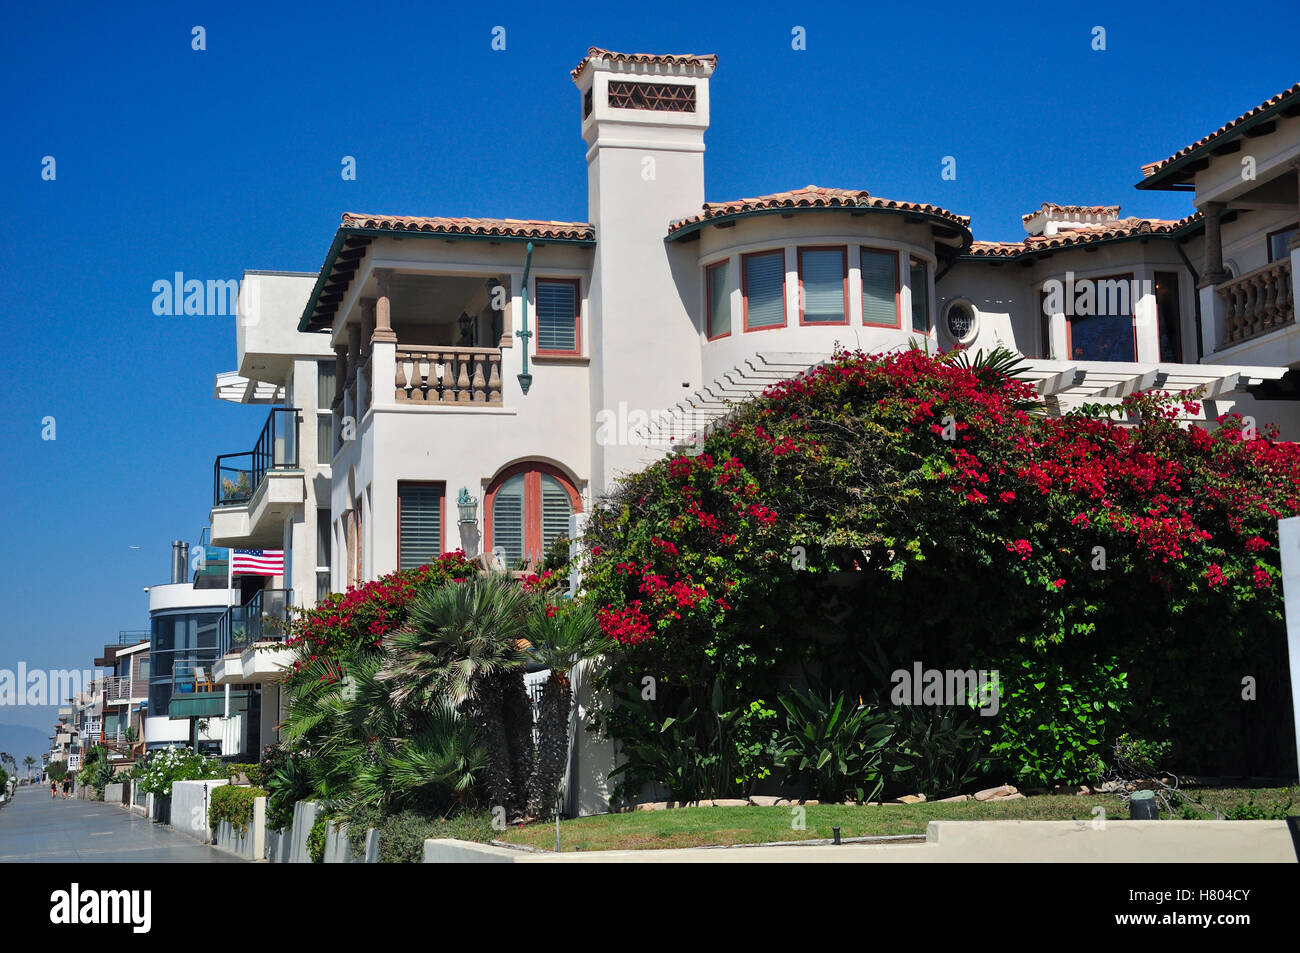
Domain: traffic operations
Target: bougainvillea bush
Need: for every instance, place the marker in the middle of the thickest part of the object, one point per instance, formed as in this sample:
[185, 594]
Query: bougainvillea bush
[351, 624]
[884, 511]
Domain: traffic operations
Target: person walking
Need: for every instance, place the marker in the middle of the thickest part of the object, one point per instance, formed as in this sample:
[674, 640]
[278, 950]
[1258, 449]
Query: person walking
[67, 788]
[54, 787]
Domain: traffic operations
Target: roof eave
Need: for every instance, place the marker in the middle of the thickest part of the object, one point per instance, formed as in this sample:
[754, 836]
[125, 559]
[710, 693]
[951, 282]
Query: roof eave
[680, 233]
[1177, 233]
[1167, 180]
[346, 231]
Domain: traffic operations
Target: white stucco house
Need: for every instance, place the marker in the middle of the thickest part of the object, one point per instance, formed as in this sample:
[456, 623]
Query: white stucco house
[515, 363]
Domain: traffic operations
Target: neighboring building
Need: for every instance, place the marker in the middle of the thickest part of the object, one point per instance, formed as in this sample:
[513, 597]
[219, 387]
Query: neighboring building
[527, 363]
[126, 694]
[182, 707]
[276, 496]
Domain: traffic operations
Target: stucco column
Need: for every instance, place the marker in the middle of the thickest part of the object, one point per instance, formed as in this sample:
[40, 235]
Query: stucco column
[383, 307]
[367, 326]
[1214, 273]
[340, 374]
[354, 353]
[1295, 239]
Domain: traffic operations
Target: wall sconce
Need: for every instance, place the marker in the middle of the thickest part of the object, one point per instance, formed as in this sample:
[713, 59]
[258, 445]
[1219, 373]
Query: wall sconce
[468, 506]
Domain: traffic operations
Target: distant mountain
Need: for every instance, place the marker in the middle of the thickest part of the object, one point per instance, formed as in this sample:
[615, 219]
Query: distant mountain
[20, 741]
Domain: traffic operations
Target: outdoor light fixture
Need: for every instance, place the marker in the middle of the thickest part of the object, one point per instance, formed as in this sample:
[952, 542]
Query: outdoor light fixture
[468, 506]
[466, 324]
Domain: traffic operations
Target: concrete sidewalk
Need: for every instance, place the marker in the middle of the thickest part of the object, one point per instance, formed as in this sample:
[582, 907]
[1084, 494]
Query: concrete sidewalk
[36, 829]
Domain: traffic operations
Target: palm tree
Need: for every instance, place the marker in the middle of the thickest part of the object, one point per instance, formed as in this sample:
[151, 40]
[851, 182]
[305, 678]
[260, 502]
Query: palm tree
[563, 633]
[29, 762]
[462, 644]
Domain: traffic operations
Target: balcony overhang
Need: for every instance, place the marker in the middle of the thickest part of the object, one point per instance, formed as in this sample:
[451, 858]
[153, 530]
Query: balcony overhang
[259, 523]
[260, 662]
[231, 386]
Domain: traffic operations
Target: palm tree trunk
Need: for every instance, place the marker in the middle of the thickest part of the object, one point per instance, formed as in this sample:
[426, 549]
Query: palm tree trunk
[553, 745]
[485, 712]
[517, 712]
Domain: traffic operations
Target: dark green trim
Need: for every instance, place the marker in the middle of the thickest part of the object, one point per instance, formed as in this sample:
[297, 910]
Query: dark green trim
[348, 231]
[1151, 182]
[207, 704]
[859, 209]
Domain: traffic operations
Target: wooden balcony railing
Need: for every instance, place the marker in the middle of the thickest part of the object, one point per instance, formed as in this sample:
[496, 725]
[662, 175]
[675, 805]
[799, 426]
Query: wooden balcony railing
[1258, 302]
[447, 375]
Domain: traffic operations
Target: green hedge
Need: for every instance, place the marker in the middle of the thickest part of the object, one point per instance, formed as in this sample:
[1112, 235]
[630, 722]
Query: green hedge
[233, 804]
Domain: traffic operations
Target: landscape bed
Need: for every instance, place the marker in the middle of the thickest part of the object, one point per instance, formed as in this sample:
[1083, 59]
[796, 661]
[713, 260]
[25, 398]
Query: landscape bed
[722, 826]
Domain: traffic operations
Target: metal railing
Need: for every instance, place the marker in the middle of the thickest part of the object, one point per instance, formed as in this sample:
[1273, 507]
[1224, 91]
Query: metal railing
[261, 619]
[236, 476]
[132, 636]
[122, 688]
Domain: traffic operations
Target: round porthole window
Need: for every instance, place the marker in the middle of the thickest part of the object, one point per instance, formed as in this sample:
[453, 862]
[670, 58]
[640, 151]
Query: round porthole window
[961, 321]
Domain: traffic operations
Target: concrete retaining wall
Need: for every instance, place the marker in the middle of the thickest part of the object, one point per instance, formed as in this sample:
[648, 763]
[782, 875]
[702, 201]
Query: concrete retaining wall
[189, 809]
[113, 793]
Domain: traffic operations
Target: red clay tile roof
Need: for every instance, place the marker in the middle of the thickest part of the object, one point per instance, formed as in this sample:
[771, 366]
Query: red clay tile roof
[1151, 168]
[656, 59]
[1083, 235]
[813, 197]
[504, 227]
[1072, 210]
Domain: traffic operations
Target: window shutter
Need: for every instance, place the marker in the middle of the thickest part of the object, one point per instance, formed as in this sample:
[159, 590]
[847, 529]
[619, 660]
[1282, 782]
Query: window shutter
[822, 272]
[419, 510]
[719, 300]
[556, 510]
[879, 288]
[508, 520]
[764, 290]
[557, 309]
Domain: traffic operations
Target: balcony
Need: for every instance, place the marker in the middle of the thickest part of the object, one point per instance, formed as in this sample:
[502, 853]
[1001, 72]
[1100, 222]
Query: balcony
[446, 375]
[253, 491]
[1257, 302]
[261, 619]
[124, 690]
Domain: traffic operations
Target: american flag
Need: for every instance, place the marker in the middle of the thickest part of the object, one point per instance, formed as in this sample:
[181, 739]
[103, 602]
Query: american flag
[257, 562]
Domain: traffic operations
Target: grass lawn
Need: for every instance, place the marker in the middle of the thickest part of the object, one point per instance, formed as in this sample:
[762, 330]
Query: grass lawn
[704, 826]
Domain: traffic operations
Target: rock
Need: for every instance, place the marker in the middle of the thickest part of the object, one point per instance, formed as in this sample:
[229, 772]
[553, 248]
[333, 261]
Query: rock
[653, 806]
[955, 799]
[764, 800]
[996, 794]
[1073, 790]
[730, 802]
[810, 803]
[911, 799]
[1011, 797]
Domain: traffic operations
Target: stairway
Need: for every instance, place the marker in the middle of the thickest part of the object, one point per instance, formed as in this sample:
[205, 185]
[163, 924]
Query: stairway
[689, 422]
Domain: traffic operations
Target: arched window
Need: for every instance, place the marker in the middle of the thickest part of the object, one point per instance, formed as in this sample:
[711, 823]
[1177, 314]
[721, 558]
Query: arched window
[527, 509]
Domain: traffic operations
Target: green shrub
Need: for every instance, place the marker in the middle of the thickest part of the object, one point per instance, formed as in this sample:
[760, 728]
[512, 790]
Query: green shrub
[834, 747]
[170, 765]
[1250, 811]
[254, 772]
[935, 751]
[316, 839]
[56, 770]
[232, 803]
[286, 782]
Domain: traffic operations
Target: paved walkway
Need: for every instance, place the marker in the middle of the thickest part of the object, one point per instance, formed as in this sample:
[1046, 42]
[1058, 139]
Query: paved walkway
[36, 829]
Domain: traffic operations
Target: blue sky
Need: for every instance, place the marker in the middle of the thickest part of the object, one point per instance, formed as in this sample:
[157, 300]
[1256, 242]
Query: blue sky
[213, 162]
